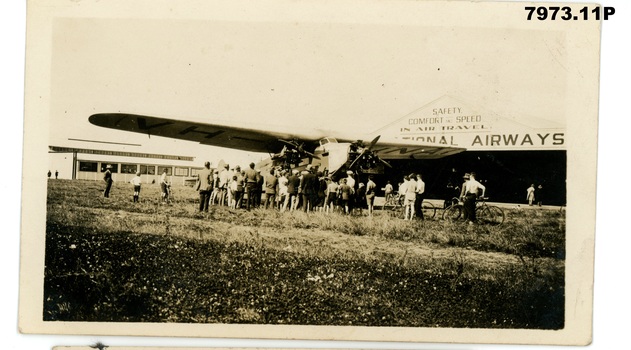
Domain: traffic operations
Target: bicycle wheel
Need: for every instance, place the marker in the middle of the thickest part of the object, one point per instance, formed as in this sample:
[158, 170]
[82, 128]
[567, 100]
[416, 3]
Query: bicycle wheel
[490, 215]
[429, 211]
[452, 213]
[497, 215]
[394, 204]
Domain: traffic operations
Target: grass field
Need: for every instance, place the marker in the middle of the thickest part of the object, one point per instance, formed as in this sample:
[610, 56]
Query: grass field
[113, 260]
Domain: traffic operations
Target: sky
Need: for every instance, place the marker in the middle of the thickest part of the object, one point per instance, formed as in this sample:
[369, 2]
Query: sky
[345, 77]
[611, 300]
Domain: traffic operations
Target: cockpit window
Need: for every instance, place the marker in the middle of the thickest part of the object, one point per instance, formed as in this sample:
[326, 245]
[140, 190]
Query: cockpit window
[326, 140]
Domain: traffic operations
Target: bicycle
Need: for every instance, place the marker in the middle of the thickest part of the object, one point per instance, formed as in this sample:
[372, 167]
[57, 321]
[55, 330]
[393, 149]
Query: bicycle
[394, 201]
[454, 210]
[487, 214]
[397, 202]
[429, 210]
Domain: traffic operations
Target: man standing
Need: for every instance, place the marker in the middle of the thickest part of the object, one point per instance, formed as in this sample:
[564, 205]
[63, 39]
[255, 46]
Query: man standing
[224, 177]
[530, 194]
[108, 181]
[164, 186]
[539, 194]
[136, 181]
[344, 193]
[388, 190]
[205, 178]
[470, 191]
[410, 196]
[259, 188]
[282, 190]
[420, 196]
[350, 181]
[238, 194]
[250, 185]
[370, 193]
[293, 183]
[271, 181]
[309, 188]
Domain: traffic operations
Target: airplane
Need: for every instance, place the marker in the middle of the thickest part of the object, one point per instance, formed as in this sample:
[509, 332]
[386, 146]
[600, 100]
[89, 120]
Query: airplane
[332, 152]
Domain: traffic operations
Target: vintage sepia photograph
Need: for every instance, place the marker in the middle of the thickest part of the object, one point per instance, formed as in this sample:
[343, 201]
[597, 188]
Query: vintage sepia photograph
[359, 170]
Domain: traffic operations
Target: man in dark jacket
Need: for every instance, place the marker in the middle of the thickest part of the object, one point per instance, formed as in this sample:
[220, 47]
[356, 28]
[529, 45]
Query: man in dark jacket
[205, 178]
[251, 183]
[293, 183]
[309, 188]
[108, 181]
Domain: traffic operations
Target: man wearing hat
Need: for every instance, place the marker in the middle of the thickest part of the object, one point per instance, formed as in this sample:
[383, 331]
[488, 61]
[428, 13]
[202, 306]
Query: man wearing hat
[309, 187]
[350, 181]
[215, 192]
[259, 188]
[470, 191]
[271, 181]
[108, 180]
[250, 185]
[224, 178]
[205, 179]
[293, 183]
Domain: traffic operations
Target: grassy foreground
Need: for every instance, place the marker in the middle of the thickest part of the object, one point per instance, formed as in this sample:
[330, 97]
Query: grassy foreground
[113, 260]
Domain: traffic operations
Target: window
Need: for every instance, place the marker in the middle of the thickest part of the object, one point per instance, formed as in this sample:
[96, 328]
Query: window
[129, 168]
[148, 169]
[181, 171]
[88, 166]
[195, 171]
[113, 170]
[169, 170]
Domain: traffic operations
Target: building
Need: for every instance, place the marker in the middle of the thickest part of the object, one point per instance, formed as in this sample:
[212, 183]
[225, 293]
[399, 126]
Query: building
[90, 164]
[507, 152]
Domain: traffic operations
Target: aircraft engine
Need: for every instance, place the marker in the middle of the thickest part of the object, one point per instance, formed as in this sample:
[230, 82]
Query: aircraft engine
[293, 153]
[364, 158]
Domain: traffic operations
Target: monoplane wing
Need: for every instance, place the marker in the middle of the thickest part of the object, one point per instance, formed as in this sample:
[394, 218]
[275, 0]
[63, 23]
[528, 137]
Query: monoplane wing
[258, 138]
[387, 150]
[246, 138]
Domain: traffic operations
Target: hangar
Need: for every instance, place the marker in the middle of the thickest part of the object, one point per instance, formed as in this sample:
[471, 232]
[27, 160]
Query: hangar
[508, 153]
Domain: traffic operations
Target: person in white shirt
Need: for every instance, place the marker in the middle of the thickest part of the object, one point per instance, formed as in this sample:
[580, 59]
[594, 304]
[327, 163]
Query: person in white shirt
[350, 181]
[471, 189]
[282, 189]
[136, 181]
[331, 195]
[388, 189]
[223, 185]
[420, 196]
[530, 194]
[410, 196]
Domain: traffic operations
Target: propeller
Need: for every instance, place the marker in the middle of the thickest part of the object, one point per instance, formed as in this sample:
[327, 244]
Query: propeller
[367, 159]
[293, 153]
[299, 147]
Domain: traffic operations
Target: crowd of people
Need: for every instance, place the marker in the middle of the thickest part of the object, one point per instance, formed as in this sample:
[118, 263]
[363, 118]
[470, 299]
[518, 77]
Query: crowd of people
[284, 190]
[313, 190]
[306, 190]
